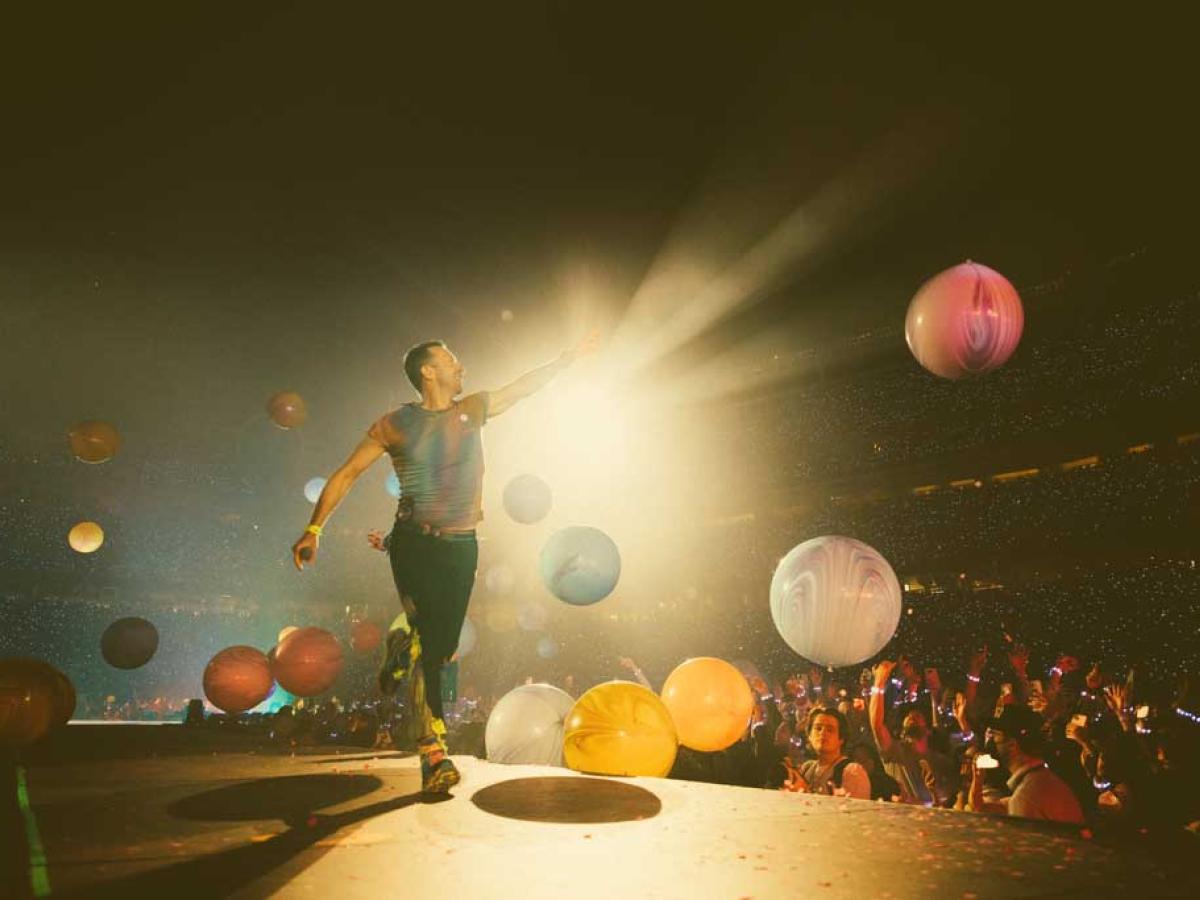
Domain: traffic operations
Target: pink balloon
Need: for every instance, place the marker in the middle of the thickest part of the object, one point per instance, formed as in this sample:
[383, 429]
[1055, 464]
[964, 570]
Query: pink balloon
[964, 321]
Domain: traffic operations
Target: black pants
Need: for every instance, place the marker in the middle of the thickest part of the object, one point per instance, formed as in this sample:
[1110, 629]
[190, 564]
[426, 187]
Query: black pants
[436, 574]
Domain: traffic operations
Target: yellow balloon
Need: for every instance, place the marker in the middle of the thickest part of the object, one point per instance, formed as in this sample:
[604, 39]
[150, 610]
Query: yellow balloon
[710, 703]
[620, 728]
[86, 537]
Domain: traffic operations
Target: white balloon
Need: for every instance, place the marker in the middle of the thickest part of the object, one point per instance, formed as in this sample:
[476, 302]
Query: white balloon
[526, 726]
[835, 600]
[527, 499]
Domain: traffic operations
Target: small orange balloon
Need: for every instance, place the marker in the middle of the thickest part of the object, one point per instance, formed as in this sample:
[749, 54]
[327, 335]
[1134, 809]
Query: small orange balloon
[307, 662]
[85, 537]
[94, 441]
[287, 410]
[365, 636]
[34, 698]
[237, 679]
[710, 702]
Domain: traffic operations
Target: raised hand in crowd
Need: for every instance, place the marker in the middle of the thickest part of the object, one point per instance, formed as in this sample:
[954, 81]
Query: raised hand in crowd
[882, 672]
[978, 661]
[1116, 696]
[975, 668]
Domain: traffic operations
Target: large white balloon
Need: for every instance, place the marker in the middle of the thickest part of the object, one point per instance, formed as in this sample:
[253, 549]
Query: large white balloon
[526, 726]
[835, 600]
[964, 321]
[580, 565]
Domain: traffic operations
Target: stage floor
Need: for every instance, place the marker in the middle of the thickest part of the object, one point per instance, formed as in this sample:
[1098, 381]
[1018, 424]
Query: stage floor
[353, 824]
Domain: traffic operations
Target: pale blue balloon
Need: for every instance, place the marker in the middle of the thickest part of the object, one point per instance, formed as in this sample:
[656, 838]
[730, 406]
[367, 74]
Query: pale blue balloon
[392, 484]
[580, 565]
[547, 648]
[313, 488]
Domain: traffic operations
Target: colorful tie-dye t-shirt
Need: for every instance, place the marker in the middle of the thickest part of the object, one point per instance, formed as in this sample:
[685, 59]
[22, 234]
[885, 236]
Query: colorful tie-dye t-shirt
[438, 457]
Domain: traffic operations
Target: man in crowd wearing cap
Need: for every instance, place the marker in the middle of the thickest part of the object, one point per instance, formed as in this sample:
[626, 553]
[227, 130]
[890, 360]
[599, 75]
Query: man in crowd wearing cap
[1037, 793]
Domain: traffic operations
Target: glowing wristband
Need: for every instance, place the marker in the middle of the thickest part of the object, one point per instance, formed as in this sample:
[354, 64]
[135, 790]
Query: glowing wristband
[1055, 670]
[974, 679]
[314, 529]
[878, 691]
[967, 736]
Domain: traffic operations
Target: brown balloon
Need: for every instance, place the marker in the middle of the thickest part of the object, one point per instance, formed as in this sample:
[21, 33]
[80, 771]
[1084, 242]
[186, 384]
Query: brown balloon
[34, 698]
[365, 636]
[307, 662]
[129, 643]
[237, 679]
[94, 441]
[287, 410]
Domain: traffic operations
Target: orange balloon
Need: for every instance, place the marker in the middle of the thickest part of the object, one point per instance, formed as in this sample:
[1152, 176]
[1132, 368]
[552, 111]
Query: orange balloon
[307, 662]
[287, 410]
[237, 679]
[710, 702]
[94, 441]
[34, 698]
[85, 537]
[365, 636]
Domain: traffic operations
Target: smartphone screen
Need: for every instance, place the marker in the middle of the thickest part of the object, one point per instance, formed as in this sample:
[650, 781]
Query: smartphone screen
[1143, 712]
[986, 761]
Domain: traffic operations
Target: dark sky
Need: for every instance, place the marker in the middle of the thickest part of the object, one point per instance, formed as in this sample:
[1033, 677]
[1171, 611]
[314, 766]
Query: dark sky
[204, 204]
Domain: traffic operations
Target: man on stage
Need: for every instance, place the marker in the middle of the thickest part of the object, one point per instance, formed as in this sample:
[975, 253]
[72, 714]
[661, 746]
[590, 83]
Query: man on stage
[436, 448]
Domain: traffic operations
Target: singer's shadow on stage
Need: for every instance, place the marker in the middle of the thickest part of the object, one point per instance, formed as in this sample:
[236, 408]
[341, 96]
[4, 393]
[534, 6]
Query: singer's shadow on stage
[293, 799]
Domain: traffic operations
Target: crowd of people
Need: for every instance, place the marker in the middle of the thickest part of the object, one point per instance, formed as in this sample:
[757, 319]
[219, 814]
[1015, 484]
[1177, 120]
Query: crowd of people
[1080, 745]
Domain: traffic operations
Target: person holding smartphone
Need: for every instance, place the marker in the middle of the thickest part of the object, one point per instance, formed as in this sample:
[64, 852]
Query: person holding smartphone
[1037, 793]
